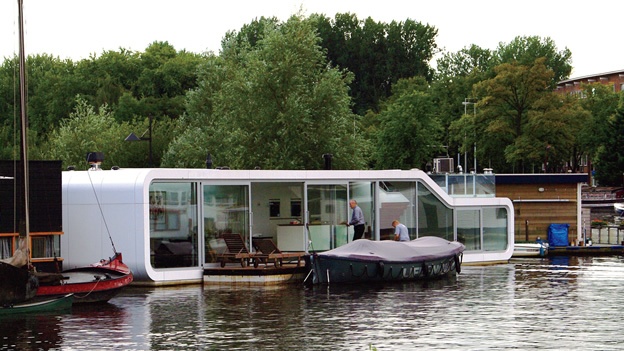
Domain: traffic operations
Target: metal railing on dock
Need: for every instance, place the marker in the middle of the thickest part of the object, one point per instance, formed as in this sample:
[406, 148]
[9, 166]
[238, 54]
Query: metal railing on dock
[610, 234]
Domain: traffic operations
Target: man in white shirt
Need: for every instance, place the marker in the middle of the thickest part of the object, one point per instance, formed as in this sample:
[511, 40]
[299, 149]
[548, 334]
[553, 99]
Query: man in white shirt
[400, 231]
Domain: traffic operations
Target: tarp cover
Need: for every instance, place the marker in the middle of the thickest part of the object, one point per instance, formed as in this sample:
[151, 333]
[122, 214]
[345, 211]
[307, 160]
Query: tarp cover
[558, 234]
[421, 249]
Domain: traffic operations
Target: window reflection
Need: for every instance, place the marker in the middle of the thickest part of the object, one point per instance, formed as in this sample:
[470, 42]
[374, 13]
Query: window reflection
[434, 218]
[173, 224]
[469, 229]
[396, 203]
[226, 210]
[495, 229]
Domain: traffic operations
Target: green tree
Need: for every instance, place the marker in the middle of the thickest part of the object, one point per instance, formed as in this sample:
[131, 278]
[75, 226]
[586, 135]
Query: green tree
[275, 105]
[51, 89]
[550, 134]
[452, 86]
[87, 130]
[525, 50]
[378, 54]
[108, 76]
[521, 122]
[165, 77]
[408, 135]
[610, 161]
[601, 102]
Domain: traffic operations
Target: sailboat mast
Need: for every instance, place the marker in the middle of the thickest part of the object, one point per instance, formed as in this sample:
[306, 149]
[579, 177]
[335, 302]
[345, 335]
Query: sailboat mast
[23, 119]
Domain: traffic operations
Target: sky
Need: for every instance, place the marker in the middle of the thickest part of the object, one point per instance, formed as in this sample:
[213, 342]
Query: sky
[78, 29]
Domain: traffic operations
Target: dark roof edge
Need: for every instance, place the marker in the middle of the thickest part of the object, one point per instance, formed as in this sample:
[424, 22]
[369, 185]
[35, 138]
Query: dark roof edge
[541, 178]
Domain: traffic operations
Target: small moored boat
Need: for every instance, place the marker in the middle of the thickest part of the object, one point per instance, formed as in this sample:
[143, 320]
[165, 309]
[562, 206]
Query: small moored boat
[539, 249]
[98, 282]
[48, 305]
[384, 261]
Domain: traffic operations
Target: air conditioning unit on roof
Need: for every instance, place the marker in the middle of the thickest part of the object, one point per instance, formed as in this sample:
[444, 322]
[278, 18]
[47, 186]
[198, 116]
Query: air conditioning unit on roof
[443, 165]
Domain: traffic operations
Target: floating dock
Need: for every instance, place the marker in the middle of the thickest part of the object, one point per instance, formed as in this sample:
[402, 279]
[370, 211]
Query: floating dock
[594, 250]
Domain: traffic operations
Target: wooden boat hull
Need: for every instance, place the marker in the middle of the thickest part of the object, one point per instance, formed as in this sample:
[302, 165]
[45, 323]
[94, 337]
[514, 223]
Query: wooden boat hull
[17, 284]
[38, 306]
[373, 264]
[97, 283]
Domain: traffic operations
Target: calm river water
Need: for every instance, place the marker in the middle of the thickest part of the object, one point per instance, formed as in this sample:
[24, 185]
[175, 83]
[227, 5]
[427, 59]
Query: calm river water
[551, 304]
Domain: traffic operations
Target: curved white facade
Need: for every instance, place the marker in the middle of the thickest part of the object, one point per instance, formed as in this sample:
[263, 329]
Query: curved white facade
[172, 241]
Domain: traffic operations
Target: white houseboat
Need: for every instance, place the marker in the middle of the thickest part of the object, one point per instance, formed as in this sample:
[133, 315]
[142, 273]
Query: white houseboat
[168, 223]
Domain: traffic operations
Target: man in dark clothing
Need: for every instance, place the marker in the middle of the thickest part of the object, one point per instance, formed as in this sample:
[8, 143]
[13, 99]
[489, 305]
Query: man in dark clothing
[357, 220]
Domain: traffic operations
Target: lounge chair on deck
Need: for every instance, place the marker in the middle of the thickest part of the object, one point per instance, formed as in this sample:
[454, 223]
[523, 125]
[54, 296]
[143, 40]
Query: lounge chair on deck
[236, 250]
[266, 251]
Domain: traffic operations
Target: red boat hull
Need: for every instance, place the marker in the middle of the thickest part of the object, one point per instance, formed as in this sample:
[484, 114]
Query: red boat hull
[91, 284]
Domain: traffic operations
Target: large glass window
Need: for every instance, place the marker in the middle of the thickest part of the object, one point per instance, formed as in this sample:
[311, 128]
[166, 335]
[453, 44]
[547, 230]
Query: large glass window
[6, 247]
[495, 229]
[327, 207]
[364, 194]
[469, 228]
[434, 218]
[226, 210]
[396, 202]
[173, 224]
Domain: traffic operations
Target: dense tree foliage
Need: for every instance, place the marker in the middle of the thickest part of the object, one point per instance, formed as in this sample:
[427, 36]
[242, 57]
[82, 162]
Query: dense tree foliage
[521, 122]
[525, 50]
[600, 102]
[452, 87]
[282, 94]
[90, 130]
[610, 163]
[378, 54]
[130, 86]
[408, 130]
[86, 130]
[273, 104]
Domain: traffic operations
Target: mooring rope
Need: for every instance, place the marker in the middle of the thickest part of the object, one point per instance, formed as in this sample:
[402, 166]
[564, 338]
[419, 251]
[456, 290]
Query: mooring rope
[97, 281]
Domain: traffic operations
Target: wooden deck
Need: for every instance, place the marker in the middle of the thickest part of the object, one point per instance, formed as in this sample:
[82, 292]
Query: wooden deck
[234, 274]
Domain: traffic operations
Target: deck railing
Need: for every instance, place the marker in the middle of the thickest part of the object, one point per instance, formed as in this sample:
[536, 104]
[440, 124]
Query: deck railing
[610, 234]
[466, 184]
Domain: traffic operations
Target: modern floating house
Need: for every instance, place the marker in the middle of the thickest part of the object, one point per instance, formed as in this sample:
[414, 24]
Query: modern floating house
[168, 223]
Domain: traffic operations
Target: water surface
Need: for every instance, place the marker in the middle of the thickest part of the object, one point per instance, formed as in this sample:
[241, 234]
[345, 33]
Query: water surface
[550, 304]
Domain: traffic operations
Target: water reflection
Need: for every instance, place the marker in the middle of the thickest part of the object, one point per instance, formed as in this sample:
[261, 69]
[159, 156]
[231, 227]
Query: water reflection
[557, 303]
[30, 332]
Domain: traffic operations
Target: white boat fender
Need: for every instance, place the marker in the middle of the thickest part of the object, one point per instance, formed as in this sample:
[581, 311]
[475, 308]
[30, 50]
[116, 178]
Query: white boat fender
[380, 268]
[457, 264]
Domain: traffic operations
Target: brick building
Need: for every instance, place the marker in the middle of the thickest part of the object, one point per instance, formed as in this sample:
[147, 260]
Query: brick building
[573, 85]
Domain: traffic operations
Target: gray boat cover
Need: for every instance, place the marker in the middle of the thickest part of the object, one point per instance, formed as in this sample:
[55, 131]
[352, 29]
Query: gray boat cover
[422, 249]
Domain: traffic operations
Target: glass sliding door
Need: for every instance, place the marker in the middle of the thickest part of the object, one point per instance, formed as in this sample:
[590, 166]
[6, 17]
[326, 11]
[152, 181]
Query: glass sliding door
[225, 210]
[495, 229]
[327, 211]
[173, 224]
[397, 202]
[434, 217]
[364, 194]
[469, 228]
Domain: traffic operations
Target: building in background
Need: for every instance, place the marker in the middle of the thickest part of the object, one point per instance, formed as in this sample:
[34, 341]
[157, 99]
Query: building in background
[573, 85]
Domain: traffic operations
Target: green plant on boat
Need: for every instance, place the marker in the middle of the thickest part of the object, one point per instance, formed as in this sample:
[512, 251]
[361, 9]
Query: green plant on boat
[598, 223]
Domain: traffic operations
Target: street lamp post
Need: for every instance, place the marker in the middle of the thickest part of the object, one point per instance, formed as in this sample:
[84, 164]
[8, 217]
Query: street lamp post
[134, 137]
[474, 109]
